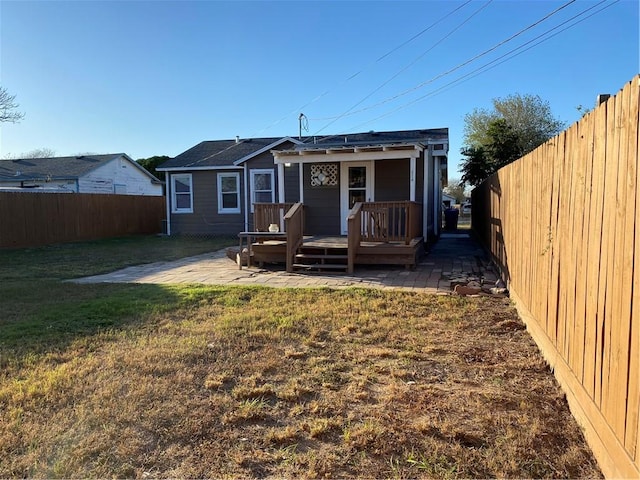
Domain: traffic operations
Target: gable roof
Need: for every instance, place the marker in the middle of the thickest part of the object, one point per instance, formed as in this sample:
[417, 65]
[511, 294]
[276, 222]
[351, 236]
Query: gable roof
[59, 168]
[222, 153]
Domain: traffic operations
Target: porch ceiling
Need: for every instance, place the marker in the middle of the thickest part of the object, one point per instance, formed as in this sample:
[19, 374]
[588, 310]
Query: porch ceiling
[355, 153]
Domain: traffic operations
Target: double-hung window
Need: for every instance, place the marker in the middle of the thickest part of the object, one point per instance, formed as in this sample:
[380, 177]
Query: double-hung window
[262, 186]
[229, 192]
[181, 193]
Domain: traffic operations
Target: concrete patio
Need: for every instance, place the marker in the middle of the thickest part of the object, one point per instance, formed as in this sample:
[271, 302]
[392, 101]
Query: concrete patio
[455, 257]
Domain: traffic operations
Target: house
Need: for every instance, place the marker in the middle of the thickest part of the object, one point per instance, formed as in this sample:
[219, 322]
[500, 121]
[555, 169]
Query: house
[448, 201]
[395, 178]
[113, 173]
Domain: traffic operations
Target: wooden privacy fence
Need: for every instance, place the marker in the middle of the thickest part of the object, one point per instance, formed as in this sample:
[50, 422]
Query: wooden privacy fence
[563, 225]
[31, 219]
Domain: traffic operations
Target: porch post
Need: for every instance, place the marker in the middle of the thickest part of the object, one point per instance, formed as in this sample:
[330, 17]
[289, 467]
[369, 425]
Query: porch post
[301, 181]
[412, 181]
[425, 187]
[436, 195]
[280, 183]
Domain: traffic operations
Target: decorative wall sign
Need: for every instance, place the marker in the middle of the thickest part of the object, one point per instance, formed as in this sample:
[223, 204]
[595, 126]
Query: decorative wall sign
[324, 174]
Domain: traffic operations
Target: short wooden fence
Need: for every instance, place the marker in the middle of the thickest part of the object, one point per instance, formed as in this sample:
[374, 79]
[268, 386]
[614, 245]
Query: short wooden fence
[32, 219]
[563, 225]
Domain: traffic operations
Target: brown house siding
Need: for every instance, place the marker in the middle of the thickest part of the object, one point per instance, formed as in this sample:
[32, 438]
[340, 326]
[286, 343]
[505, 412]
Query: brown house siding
[322, 207]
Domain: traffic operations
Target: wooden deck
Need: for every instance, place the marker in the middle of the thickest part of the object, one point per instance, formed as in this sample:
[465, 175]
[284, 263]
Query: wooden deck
[330, 253]
[380, 233]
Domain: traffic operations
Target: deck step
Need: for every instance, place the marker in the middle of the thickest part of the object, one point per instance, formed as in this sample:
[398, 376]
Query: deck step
[319, 256]
[320, 266]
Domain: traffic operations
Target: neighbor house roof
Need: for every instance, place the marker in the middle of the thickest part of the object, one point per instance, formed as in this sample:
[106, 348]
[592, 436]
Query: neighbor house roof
[222, 153]
[58, 168]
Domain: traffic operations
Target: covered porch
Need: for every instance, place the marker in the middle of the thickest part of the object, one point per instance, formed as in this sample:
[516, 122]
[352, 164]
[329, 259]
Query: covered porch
[378, 233]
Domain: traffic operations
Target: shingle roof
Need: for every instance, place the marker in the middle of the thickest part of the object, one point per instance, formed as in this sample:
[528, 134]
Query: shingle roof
[223, 153]
[433, 135]
[56, 168]
[219, 153]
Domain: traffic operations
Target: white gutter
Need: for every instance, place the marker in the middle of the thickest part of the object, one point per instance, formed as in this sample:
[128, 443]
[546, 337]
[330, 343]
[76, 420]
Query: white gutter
[187, 169]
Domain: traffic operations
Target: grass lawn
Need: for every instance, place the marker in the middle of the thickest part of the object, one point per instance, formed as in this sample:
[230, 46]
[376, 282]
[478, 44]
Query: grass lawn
[199, 381]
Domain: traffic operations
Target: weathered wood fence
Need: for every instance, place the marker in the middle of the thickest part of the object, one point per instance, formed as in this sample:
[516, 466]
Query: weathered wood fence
[31, 219]
[563, 225]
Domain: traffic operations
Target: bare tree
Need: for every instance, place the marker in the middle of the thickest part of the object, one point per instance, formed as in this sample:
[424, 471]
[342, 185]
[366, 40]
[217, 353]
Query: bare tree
[455, 188]
[35, 153]
[8, 107]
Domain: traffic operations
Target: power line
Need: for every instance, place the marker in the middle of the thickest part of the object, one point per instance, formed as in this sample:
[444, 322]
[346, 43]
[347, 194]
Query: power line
[398, 73]
[457, 67]
[354, 75]
[484, 68]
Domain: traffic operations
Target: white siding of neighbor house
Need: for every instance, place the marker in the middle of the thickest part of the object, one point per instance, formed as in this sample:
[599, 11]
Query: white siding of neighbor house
[118, 176]
[53, 186]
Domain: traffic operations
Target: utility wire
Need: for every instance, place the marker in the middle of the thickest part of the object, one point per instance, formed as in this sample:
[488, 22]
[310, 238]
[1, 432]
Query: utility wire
[488, 66]
[354, 75]
[457, 67]
[398, 73]
[326, 92]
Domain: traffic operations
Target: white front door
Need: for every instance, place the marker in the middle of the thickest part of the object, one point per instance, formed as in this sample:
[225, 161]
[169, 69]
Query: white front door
[356, 185]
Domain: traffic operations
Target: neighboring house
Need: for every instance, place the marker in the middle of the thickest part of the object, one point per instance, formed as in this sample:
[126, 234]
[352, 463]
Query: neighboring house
[212, 187]
[114, 173]
[448, 201]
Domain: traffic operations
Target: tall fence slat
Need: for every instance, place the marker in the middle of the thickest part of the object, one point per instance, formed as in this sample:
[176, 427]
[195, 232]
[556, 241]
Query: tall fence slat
[32, 219]
[633, 418]
[563, 226]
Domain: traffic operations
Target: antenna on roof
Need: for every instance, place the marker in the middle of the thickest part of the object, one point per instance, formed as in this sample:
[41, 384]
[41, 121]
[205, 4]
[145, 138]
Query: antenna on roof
[303, 123]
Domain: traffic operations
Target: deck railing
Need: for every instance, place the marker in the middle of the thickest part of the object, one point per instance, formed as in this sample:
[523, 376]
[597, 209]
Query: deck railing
[294, 226]
[390, 221]
[381, 222]
[354, 235]
[264, 214]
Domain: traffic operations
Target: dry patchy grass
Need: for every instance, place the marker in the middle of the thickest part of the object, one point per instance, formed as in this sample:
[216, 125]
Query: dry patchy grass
[257, 382]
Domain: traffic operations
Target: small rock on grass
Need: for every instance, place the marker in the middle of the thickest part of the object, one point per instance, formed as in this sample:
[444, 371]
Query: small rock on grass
[466, 290]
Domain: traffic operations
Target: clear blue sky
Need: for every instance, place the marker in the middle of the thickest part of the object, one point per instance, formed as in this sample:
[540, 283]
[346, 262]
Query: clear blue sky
[157, 77]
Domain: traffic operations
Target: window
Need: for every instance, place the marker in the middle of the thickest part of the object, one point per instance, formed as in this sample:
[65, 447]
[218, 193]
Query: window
[228, 193]
[262, 187]
[181, 193]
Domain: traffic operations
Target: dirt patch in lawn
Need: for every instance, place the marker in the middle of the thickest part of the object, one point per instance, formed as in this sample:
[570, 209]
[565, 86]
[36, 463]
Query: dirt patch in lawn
[243, 382]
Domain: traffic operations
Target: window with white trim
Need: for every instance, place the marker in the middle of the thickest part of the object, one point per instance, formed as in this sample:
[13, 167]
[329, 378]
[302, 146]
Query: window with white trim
[262, 186]
[181, 193]
[229, 192]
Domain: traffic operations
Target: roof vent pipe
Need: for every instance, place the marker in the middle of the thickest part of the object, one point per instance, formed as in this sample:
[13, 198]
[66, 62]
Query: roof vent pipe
[237, 139]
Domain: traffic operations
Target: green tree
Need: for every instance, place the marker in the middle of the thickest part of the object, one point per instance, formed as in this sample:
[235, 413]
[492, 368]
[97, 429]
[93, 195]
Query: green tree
[516, 125]
[502, 146]
[8, 107]
[151, 163]
[476, 167]
[529, 116]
